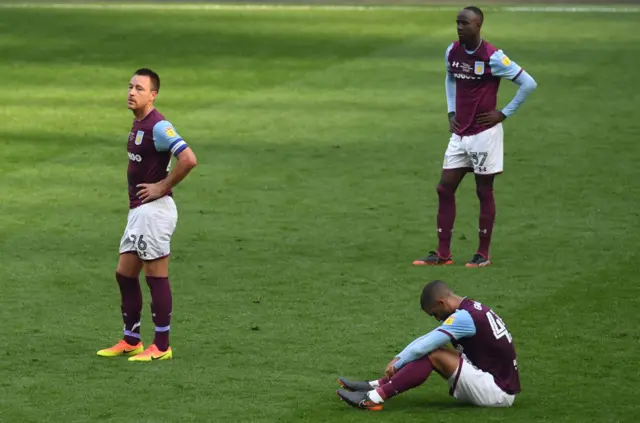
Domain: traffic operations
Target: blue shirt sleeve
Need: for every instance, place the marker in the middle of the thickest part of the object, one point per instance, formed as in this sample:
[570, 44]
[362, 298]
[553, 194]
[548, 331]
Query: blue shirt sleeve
[166, 138]
[504, 67]
[450, 89]
[449, 83]
[527, 85]
[446, 57]
[458, 325]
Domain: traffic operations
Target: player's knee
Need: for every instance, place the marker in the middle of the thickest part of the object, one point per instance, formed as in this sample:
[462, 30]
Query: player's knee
[484, 193]
[129, 265]
[436, 355]
[444, 190]
[436, 352]
[444, 360]
[157, 268]
[484, 181]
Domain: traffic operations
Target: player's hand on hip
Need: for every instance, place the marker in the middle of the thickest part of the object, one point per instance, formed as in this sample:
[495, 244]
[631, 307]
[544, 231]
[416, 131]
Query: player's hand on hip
[391, 368]
[150, 192]
[490, 118]
[453, 123]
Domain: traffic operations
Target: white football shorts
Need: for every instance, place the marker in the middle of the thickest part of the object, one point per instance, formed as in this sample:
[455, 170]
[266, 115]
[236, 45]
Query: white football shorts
[149, 229]
[473, 386]
[483, 152]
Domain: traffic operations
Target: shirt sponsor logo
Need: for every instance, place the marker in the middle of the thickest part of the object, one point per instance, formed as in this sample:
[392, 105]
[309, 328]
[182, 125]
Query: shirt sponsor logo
[464, 76]
[134, 157]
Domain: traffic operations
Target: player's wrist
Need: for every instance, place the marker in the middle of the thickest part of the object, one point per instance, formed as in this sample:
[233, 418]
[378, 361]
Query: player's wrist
[164, 184]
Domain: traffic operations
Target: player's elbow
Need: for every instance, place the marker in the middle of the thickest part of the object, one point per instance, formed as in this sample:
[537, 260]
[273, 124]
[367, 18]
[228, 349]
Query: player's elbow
[529, 83]
[188, 159]
[191, 161]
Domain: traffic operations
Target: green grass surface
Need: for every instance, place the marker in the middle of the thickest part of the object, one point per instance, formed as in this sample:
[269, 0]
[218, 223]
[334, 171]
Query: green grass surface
[320, 137]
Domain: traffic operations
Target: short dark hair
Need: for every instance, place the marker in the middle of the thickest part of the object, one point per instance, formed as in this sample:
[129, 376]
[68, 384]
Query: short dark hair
[477, 11]
[433, 291]
[155, 79]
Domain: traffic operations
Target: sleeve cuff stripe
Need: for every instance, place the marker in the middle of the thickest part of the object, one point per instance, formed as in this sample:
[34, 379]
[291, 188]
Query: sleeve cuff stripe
[178, 145]
[516, 77]
[447, 333]
[175, 142]
[180, 149]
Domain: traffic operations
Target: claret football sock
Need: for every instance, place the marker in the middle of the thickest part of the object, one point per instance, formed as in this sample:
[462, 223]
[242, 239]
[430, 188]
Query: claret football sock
[131, 307]
[486, 220]
[161, 303]
[446, 217]
[411, 375]
[379, 382]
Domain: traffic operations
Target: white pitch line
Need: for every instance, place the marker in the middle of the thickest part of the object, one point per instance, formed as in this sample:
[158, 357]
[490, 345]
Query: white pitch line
[199, 6]
[571, 9]
[256, 7]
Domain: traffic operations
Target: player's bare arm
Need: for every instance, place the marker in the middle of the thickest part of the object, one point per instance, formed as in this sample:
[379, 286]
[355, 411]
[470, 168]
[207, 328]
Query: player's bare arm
[186, 160]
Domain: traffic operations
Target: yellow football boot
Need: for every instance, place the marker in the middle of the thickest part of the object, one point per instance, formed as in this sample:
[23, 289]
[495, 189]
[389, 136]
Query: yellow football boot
[153, 354]
[121, 348]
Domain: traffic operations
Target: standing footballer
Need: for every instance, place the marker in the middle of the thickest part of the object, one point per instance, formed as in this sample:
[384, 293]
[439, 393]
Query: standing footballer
[152, 219]
[474, 70]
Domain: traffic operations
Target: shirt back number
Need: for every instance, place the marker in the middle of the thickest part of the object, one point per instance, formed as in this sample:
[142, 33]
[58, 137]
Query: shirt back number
[497, 326]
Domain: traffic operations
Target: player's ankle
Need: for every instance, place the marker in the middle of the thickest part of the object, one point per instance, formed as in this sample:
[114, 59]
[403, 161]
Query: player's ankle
[131, 341]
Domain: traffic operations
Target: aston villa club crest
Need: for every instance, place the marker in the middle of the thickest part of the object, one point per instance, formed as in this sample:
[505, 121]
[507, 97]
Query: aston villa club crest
[139, 137]
[478, 68]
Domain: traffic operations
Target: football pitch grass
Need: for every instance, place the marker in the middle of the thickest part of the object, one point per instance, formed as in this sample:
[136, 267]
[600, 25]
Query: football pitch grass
[320, 136]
